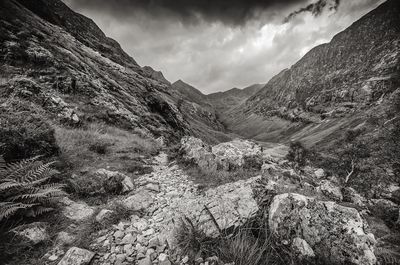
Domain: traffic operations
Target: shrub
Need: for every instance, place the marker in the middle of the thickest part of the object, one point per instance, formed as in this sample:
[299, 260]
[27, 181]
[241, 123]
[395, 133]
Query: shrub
[24, 132]
[113, 185]
[297, 153]
[85, 186]
[25, 189]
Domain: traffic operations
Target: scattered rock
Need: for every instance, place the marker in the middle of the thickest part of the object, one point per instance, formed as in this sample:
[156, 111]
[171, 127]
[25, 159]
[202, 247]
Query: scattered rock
[337, 232]
[77, 256]
[139, 201]
[77, 211]
[196, 150]
[34, 232]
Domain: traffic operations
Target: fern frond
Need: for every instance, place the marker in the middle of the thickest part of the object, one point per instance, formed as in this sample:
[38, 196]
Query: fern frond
[386, 256]
[8, 209]
[25, 188]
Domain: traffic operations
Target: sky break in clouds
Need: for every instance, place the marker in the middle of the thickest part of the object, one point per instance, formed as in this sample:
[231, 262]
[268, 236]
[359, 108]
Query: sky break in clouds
[216, 45]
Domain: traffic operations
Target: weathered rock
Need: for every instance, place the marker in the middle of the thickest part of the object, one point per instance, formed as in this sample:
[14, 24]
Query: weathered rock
[139, 201]
[336, 233]
[319, 173]
[64, 238]
[34, 233]
[196, 150]
[331, 191]
[234, 154]
[77, 256]
[302, 249]
[104, 214]
[126, 182]
[77, 211]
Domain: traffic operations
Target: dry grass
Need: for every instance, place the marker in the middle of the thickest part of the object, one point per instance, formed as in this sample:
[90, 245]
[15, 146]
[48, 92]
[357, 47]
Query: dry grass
[100, 145]
[247, 245]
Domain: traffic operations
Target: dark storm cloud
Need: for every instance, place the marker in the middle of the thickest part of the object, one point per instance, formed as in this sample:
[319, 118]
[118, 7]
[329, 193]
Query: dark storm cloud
[315, 9]
[219, 49]
[234, 12]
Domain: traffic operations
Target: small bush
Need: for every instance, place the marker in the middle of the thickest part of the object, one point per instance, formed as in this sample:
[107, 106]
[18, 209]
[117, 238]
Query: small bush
[297, 153]
[85, 186]
[113, 185]
[24, 132]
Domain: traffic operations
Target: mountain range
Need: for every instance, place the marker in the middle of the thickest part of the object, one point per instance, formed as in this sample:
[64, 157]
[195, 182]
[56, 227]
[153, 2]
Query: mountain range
[62, 62]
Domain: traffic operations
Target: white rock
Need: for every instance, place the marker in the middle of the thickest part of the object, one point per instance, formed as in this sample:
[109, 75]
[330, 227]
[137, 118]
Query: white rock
[302, 249]
[77, 211]
[103, 214]
[336, 232]
[34, 232]
[77, 256]
[331, 191]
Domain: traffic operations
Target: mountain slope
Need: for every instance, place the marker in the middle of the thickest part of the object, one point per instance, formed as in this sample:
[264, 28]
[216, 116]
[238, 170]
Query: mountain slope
[334, 86]
[64, 63]
[225, 101]
[199, 112]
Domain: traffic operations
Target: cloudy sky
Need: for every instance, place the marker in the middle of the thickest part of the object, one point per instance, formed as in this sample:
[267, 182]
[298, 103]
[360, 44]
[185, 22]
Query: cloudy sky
[216, 45]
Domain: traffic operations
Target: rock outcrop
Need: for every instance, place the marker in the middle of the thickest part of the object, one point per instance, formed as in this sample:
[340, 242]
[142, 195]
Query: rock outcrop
[335, 233]
[226, 156]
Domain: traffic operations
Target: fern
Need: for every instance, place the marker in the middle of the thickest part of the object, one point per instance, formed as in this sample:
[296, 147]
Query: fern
[25, 189]
[387, 257]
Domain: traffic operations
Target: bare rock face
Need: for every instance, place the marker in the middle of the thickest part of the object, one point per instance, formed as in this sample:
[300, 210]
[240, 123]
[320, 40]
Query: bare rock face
[198, 151]
[77, 256]
[335, 233]
[234, 153]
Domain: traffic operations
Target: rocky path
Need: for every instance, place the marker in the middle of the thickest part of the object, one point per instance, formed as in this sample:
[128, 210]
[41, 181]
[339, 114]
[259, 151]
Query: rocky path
[165, 196]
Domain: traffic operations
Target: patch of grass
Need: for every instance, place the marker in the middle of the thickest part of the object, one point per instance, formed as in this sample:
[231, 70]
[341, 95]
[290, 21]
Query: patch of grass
[247, 245]
[80, 147]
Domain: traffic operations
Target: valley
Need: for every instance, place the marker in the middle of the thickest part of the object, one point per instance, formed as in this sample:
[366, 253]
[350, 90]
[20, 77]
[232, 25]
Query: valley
[104, 161]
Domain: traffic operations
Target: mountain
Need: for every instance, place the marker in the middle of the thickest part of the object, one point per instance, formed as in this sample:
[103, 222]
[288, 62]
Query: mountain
[334, 86]
[72, 72]
[200, 113]
[225, 101]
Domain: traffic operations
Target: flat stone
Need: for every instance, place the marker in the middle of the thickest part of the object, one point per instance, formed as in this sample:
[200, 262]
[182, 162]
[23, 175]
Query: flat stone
[77, 256]
[145, 261]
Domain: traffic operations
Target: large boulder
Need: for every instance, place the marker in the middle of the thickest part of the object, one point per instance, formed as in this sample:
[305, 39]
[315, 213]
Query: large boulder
[334, 232]
[238, 153]
[199, 152]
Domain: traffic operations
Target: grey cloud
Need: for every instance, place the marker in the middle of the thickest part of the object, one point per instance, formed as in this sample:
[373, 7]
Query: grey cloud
[232, 12]
[315, 9]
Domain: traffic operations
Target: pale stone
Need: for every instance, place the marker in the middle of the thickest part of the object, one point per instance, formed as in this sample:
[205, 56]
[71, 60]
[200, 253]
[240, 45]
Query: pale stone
[34, 232]
[77, 211]
[77, 256]
[337, 232]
